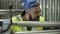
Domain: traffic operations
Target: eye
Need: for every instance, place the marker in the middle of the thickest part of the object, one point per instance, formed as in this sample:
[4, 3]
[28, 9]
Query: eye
[37, 12]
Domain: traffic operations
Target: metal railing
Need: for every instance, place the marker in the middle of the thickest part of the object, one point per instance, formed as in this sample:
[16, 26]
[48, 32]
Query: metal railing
[37, 23]
[40, 32]
[33, 24]
[7, 10]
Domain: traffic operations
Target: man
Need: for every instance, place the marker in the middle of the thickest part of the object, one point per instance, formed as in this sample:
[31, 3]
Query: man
[31, 13]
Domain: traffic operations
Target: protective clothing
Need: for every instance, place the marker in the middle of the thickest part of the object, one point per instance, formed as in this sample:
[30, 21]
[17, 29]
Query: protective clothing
[18, 28]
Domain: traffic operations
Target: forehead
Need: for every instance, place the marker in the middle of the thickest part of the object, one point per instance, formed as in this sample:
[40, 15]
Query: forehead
[35, 8]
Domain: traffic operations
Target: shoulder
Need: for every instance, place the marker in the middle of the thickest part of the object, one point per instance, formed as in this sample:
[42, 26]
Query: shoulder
[41, 18]
[14, 17]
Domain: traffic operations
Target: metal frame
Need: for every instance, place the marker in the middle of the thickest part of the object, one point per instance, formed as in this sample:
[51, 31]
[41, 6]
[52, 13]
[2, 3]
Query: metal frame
[40, 32]
[6, 22]
[37, 23]
[7, 10]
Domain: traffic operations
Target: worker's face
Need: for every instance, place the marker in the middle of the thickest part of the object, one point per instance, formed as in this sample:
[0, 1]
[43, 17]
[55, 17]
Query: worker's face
[34, 14]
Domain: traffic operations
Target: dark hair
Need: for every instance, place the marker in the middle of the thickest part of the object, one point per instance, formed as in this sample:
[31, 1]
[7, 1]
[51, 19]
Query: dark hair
[23, 13]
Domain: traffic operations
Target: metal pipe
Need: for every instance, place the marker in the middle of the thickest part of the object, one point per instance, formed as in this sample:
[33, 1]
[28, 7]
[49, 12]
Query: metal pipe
[7, 10]
[50, 9]
[43, 7]
[40, 32]
[37, 23]
[55, 10]
[41, 4]
[58, 10]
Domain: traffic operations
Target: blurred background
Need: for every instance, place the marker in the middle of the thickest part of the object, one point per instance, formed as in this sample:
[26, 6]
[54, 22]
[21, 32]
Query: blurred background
[50, 9]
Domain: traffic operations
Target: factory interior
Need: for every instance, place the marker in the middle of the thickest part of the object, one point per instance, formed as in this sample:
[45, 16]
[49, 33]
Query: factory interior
[50, 10]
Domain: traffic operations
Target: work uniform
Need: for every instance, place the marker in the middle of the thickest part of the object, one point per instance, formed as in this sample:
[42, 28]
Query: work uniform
[18, 28]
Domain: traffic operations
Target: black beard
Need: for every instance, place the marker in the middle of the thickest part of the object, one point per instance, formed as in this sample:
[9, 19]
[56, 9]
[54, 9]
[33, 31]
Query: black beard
[36, 19]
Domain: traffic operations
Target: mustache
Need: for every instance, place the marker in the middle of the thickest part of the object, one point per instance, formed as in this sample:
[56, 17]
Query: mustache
[37, 18]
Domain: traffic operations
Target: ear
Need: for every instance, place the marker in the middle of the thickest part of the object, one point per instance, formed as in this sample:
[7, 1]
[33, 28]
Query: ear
[28, 11]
